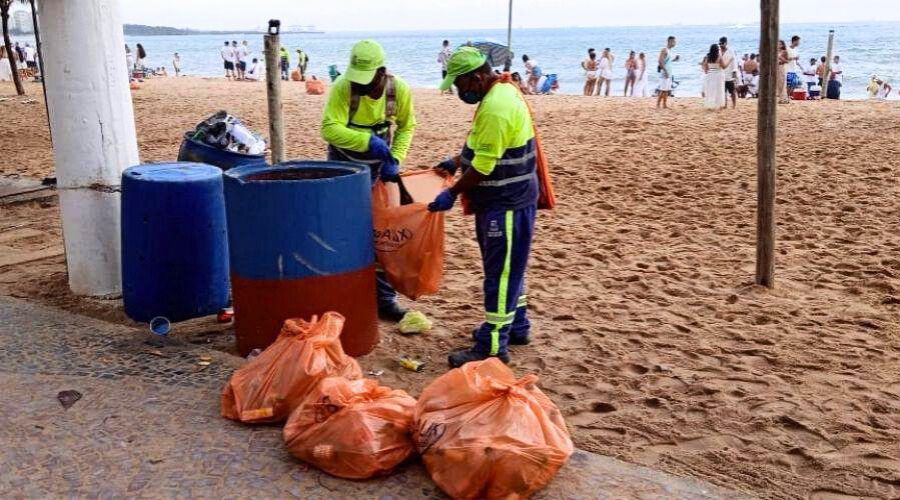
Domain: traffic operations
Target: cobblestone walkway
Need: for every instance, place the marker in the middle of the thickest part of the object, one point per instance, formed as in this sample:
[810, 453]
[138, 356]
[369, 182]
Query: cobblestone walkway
[148, 425]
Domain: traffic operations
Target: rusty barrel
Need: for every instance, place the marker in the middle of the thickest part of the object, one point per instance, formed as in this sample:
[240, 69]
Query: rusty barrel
[300, 244]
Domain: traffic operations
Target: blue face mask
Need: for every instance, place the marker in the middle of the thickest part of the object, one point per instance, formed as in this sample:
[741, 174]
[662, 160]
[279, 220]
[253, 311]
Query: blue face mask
[470, 97]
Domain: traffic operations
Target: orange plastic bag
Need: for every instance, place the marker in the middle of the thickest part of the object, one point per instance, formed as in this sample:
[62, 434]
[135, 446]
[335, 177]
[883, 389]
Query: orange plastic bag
[484, 434]
[295, 75]
[409, 240]
[315, 87]
[352, 429]
[277, 381]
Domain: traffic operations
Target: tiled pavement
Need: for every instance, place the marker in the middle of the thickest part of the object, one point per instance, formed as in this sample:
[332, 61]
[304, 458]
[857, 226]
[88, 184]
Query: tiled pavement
[148, 425]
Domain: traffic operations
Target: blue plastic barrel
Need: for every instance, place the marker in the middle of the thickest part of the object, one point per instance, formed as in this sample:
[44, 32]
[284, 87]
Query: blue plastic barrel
[300, 237]
[196, 151]
[174, 241]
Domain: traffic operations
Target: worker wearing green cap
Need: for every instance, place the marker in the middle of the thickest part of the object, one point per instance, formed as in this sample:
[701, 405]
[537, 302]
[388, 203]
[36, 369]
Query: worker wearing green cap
[364, 107]
[500, 183]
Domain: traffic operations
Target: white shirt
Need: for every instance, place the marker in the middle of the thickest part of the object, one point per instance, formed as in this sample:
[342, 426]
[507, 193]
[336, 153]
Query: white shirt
[241, 52]
[810, 74]
[443, 57]
[228, 53]
[176, 62]
[29, 54]
[838, 67]
[252, 72]
[793, 66]
[731, 69]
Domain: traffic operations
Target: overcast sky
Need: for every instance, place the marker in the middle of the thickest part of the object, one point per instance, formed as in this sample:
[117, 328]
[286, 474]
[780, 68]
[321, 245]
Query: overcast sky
[364, 15]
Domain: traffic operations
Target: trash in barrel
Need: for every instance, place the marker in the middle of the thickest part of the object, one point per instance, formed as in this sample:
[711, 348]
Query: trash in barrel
[300, 239]
[224, 141]
[174, 242]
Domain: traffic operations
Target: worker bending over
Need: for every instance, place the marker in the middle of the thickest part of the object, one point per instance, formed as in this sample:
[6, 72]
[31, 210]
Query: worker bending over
[362, 108]
[501, 188]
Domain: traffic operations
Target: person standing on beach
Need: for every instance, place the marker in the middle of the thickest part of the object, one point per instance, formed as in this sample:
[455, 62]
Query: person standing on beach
[501, 188]
[794, 70]
[729, 59]
[240, 64]
[810, 75]
[363, 107]
[590, 65]
[228, 60]
[665, 72]
[284, 59]
[606, 73]
[783, 96]
[714, 66]
[631, 66]
[129, 62]
[533, 72]
[176, 64]
[751, 65]
[302, 62]
[643, 76]
[820, 71]
[442, 58]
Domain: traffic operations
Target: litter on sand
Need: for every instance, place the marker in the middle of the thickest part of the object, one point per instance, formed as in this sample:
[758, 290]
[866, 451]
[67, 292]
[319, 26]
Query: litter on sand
[412, 364]
[68, 398]
[415, 322]
[224, 131]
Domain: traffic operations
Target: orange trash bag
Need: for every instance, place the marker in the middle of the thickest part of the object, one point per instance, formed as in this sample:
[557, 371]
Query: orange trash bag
[352, 429]
[409, 240]
[295, 75]
[484, 434]
[270, 386]
[315, 87]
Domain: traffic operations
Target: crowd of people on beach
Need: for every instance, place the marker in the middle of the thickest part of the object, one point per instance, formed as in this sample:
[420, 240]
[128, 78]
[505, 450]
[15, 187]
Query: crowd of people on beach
[26, 59]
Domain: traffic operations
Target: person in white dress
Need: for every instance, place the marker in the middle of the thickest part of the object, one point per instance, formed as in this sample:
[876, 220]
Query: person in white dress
[5, 68]
[606, 73]
[643, 76]
[714, 85]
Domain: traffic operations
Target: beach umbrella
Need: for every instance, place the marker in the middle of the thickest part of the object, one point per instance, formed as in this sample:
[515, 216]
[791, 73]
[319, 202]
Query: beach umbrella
[497, 54]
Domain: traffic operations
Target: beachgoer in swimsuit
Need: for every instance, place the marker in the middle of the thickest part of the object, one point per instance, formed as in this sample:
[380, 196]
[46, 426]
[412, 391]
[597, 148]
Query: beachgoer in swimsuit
[590, 65]
[631, 67]
[606, 74]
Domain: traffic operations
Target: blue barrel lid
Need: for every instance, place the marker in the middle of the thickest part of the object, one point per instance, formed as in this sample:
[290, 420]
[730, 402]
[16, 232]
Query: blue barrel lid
[297, 170]
[172, 172]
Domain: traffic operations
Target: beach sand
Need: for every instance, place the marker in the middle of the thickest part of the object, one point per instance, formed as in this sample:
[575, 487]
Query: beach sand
[648, 331]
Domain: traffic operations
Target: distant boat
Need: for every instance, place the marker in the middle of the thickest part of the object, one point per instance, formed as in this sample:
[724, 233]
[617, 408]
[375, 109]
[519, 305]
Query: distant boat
[305, 30]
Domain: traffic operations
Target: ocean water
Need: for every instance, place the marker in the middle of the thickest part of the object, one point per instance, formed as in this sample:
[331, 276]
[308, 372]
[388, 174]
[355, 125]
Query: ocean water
[865, 48]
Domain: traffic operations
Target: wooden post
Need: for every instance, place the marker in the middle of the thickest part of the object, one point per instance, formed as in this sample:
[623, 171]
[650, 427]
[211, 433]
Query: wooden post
[508, 65]
[828, 56]
[765, 144]
[273, 91]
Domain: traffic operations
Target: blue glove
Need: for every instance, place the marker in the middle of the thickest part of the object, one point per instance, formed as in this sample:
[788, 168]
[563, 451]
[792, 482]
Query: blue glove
[448, 165]
[379, 149]
[390, 171]
[442, 202]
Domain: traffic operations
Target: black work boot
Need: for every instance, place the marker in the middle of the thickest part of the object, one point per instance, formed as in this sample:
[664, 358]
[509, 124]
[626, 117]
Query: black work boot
[459, 358]
[391, 312]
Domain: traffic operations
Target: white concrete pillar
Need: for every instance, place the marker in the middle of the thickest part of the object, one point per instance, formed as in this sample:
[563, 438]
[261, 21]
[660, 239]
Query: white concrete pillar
[93, 134]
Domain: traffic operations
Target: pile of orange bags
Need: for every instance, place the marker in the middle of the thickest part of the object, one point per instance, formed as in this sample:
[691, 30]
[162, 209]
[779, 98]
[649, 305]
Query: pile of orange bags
[315, 87]
[277, 381]
[484, 434]
[409, 240]
[352, 429]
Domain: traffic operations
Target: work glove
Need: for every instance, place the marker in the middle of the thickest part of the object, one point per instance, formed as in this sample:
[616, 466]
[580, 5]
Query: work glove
[448, 166]
[390, 171]
[442, 202]
[379, 149]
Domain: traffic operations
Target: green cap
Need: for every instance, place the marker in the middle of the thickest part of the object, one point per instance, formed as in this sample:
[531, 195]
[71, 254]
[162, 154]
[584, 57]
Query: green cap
[365, 59]
[464, 60]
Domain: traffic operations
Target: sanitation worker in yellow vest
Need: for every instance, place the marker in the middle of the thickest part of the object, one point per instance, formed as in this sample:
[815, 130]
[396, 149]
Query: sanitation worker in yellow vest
[369, 119]
[500, 184]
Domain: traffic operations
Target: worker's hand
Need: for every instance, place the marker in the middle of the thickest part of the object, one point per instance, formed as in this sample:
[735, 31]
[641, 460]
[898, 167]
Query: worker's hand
[379, 149]
[442, 202]
[446, 167]
[390, 171]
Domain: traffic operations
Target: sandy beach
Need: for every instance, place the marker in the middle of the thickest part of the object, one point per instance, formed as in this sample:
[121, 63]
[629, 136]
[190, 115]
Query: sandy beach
[649, 333]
